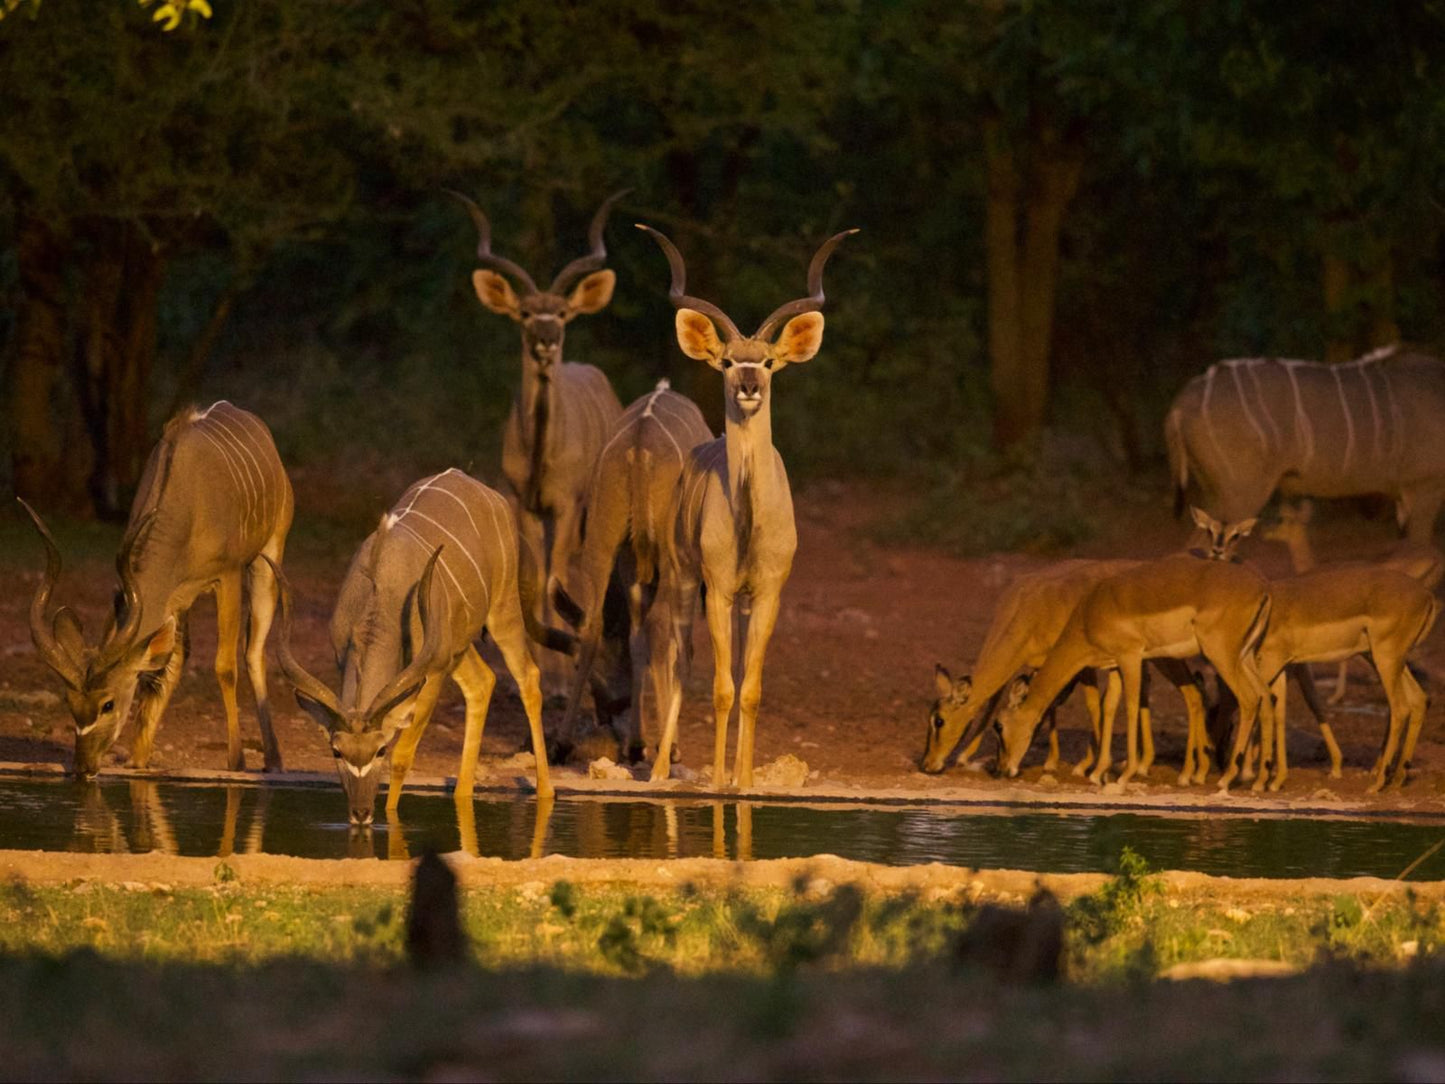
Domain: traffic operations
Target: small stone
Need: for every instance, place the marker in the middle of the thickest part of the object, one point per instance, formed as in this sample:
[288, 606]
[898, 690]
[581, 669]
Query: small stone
[604, 768]
[786, 771]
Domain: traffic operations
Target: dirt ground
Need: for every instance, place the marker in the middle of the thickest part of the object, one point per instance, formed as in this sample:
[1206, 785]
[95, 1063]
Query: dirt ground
[849, 677]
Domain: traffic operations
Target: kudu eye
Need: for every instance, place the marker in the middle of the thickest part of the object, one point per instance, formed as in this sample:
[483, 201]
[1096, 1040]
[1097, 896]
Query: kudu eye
[336, 752]
[768, 365]
[727, 363]
[107, 707]
[380, 753]
[937, 721]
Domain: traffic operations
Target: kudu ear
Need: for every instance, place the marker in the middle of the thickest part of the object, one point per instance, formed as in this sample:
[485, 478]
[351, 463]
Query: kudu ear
[697, 337]
[800, 339]
[325, 718]
[69, 633]
[942, 680]
[591, 294]
[496, 293]
[155, 651]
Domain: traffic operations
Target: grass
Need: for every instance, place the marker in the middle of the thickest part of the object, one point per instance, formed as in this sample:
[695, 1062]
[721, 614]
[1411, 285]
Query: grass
[608, 982]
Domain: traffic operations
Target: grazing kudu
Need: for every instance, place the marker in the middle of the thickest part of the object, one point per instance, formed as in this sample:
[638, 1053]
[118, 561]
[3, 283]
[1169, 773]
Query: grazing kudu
[1247, 426]
[1029, 618]
[214, 502]
[440, 567]
[629, 499]
[1421, 560]
[563, 411]
[1175, 607]
[1334, 613]
[733, 527]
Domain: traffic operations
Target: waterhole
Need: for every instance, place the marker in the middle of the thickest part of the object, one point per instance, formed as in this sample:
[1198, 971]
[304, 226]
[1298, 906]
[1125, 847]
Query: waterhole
[217, 820]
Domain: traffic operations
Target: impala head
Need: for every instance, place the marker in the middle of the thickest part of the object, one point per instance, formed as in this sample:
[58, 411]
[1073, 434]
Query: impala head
[359, 736]
[100, 681]
[792, 334]
[950, 717]
[582, 287]
[1224, 538]
[1015, 723]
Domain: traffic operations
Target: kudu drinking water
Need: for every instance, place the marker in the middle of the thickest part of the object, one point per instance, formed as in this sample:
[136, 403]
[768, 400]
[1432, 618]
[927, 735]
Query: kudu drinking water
[213, 504]
[629, 499]
[1247, 426]
[442, 565]
[563, 411]
[733, 526]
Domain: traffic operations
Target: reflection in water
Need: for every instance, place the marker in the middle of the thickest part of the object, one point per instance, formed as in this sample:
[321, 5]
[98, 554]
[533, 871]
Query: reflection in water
[360, 843]
[136, 815]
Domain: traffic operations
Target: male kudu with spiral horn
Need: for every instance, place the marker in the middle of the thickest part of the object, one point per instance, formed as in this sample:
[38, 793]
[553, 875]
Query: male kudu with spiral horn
[214, 503]
[563, 411]
[733, 508]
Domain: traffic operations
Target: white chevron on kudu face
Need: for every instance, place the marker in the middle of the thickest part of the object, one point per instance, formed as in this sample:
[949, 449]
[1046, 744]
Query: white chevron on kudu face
[563, 412]
[213, 503]
[1247, 426]
[441, 567]
[733, 527]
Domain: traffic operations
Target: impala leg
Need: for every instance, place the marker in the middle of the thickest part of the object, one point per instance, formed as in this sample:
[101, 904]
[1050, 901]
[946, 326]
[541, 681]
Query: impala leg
[1052, 761]
[154, 698]
[1092, 705]
[1278, 692]
[476, 680]
[1131, 674]
[261, 585]
[403, 753]
[1248, 688]
[1146, 724]
[1104, 757]
[1417, 700]
[1342, 678]
[1390, 668]
[510, 636]
[720, 631]
[228, 633]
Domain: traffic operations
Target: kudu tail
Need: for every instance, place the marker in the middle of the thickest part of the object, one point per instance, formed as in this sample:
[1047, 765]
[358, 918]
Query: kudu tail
[1178, 460]
[548, 637]
[644, 543]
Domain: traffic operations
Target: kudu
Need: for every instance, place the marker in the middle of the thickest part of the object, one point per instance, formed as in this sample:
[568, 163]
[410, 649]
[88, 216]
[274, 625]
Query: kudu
[213, 504]
[629, 499]
[1247, 426]
[1174, 607]
[400, 629]
[733, 527]
[1029, 618]
[563, 411]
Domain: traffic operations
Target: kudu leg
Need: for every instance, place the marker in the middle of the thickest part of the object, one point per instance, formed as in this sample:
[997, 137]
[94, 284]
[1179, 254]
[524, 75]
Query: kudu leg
[476, 680]
[720, 631]
[261, 585]
[154, 698]
[228, 635]
[403, 752]
[510, 636]
[761, 622]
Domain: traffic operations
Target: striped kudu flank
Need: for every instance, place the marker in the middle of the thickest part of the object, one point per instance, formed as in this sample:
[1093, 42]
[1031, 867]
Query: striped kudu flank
[563, 411]
[1247, 426]
[440, 567]
[733, 527]
[213, 502]
[629, 499]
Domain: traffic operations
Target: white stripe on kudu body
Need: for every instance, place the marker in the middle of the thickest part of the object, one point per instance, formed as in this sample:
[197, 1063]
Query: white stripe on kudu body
[1328, 436]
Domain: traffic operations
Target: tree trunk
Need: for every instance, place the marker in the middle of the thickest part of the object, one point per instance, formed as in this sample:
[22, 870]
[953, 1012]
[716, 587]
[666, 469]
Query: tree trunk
[1023, 223]
[35, 457]
[117, 351]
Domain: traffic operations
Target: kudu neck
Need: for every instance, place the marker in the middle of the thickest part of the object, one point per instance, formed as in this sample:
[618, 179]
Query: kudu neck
[749, 440]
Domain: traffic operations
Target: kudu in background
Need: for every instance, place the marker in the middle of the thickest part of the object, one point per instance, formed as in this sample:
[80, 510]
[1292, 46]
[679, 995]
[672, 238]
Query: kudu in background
[441, 566]
[629, 499]
[1247, 426]
[733, 527]
[214, 502]
[563, 411]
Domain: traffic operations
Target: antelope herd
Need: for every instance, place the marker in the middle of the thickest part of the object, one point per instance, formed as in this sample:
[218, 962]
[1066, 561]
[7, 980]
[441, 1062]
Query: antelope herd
[618, 522]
